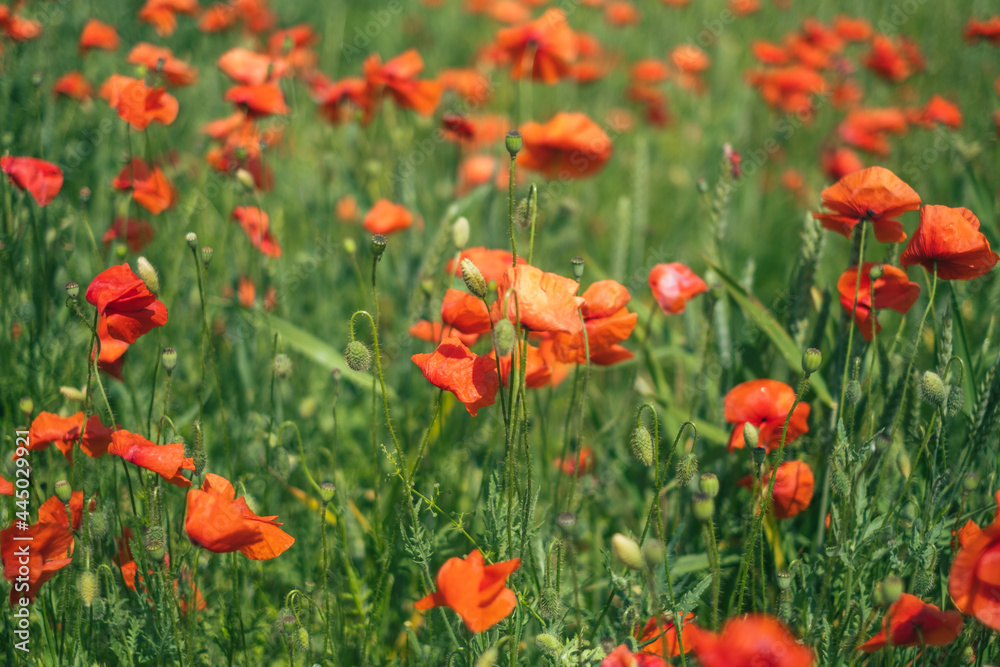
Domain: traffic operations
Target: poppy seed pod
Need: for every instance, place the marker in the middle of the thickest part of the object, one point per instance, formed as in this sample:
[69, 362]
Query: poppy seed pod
[327, 491]
[473, 278]
[358, 356]
[192, 240]
[970, 482]
[63, 491]
[812, 359]
[932, 389]
[148, 275]
[578, 266]
[709, 484]
[627, 551]
[513, 141]
[378, 245]
[27, 405]
[169, 359]
[641, 444]
[89, 587]
[875, 272]
[566, 521]
[73, 290]
[759, 455]
[703, 506]
[282, 366]
[460, 233]
[206, 255]
[85, 195]
[784, 580]
[504, 337]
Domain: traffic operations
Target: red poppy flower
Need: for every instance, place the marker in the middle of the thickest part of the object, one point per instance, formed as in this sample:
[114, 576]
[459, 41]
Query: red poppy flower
[793, 489]
[387, 218]
[21, 29]
[474, 171]
[263, 99]
[790, 89]
[912, 622]
[570, 145]
[475, 591]
[949, 239]
[293, 45]
[6, 487]
[607, 321]
[74, 86]
[867, 128]
[537, 371]
[851, 29]
[888, 60]
[660, 631]
[123, 301]
[874, 194]
[765, 404]
[98, 35]
[51, 549]
[250, 68]
[150, 187]
[159, 59]
[40, 178]
[465, 312]
[136, 233]
[893, 290]
[167, 461]
[48, 428]
[545, 47]
[471, 85]
[754, 639]
[162, 14]
[256, 224]
[973, 582]
[340, 100]
[673, 284]
[218, 17]
[988, 30]
[220, 522]
[840, 162]
[53, 510]
[543, 302]
[769, 53]
[938, 111]
[434, 332]
[111, 350]
[579, 465]
[398, 77]
[623, 657]
[493, 264]
[96, 438]
[137, 104]
[455, 368]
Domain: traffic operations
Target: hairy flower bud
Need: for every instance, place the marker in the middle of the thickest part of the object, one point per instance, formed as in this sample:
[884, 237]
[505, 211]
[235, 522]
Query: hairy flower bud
[641, 444]
[504, 337]
[687, 466]
[548, 644]
[892, 588]
[932, 389]
[460, 233]
[358, 356]
[852, 394]
[751, 435]
[89, 587]
[473, 278]
[27, 405]
[627, 551]
[956, 400]
[148, 275]
[652, 552]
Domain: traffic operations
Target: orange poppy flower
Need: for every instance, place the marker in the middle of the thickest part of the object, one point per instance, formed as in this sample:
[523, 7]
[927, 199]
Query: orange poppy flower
[386, 218]
[162, 14]
[130, 571]
[851, 29]
[493, 264]
[754, 639]
[96, 438]
[222, 523]
[218, 17]
[621, 13]
[340, 100]
[948, 241]
[769, 53]
[765, 404]
[544, 301]
[477, 131]
[690, 59]
[159, 59]
[623, 657]
[874, 194]
[988, 30]
[263, 99]
[545, 47]
[136, 233]
[840, 162]
[972, 582]
[347, 209]
[249, 68]
[53, 510]
[475, 591]
[125, 303]
[607, 321]
[793, 488]
[938, 111]
[846, 94]
[434, 332]
[867, 128]
[455, 368]
[111, 350]
[98, 35]
[41, 179]
[150, 187]
[398, 77]
[789, 89]
[256, 224]
[471, 85]
[673, 285]
[579, 465]
[474, 171]
[48, 428]
[649, 70]
[537, 372]
[912, 622]
[888, 60]
[293, 45]
[570, 145]
[21, 29]
[893, 290]
[465, 312]
[6, 487]
[137, 104]
[660, 630]
[167, 461]
[51, 549]
[74, 86]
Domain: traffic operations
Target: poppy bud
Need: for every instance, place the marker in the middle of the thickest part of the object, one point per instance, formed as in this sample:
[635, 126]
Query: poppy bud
[378, 245]
[549, 604]
[932, 389]
[504, 337]
[970, 482]
[473, 278]
[784, 580]
[812, 359]
[488, 658]
[303, 638]
[549, 644]
[841, 483]
[85, 195]
[98, 524]
[892, 588]
[120, 250]
[709, 484]
[198, 452]
[627, 551]
[350, 246]
[703, 506]
[282, 366]
[641, 444]
[460, 233]
[169, 359]
[148, 275]
[968, 655]
[63, 491]
[206, 255]
[245, 178]
[903, 463]
[89, 586]
[875, 272]
[358, 356]
[751, 435]
[759, 455]
[566, 521]
[27, 405]
[73, 290]
[513, 141]
[922, 581]
[852, 394]
[71, 394]
[578, 266]
[192, 240]
[956, 400]
[686, 468]
[652, 552]
[154, 543]
[878, 597]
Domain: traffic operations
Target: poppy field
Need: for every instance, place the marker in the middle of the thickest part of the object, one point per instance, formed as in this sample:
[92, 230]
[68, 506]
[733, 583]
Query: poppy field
[606, 333]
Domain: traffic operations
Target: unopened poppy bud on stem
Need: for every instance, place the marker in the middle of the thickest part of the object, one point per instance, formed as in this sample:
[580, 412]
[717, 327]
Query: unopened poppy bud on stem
[956, 400]
[703, 506]
[932, 389]
[350, 246]
[89, 586]
[27, 405]
[903, 463]
[73, 290]
[198, 456]
[852, 394]
[652, 552]
[812, 359]
[641, 444]
[709, 484]
[148, 275]
[460, 233]
[627, 551]
[63, 491]
[513, 141]
[504, 337]
[687, 467]
[751, 435]
[892, 588]
[245, 178]
[473, 278]
[358, 356]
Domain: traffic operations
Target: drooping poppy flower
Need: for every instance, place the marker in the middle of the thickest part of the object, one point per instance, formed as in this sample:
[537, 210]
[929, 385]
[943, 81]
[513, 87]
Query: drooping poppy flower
[465, 312]
[74, 86]
[840, 162]
[125, 303]
[972, 582]
[455, 368]
[673, 285]
[910, 621]
[98, 35]
[260, 100]
[53, 510]
[48, 547]
[40, 178]
[340, 100]
[48, 428]
[540, 301]
[867, 129]
[136, 233]
[607, 322]
[435, 332]
[578, 465]
[623, 657]
[569, 146]
[95, 438]
[875, 194]
[493, 264]
[250, 68]
[544, 48]
[988, 30]
[162, 14]
[754, 639]
[162, 60]
[938, 111]
[399, 77]
[167, 461]
[256, 224]
[222, 523]
[387, 218]
[475, 591]
[661, 631]
[137, 104]
[948, 241]
[765, 404]
[893, 290]
[793, 488]
[150, 187]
